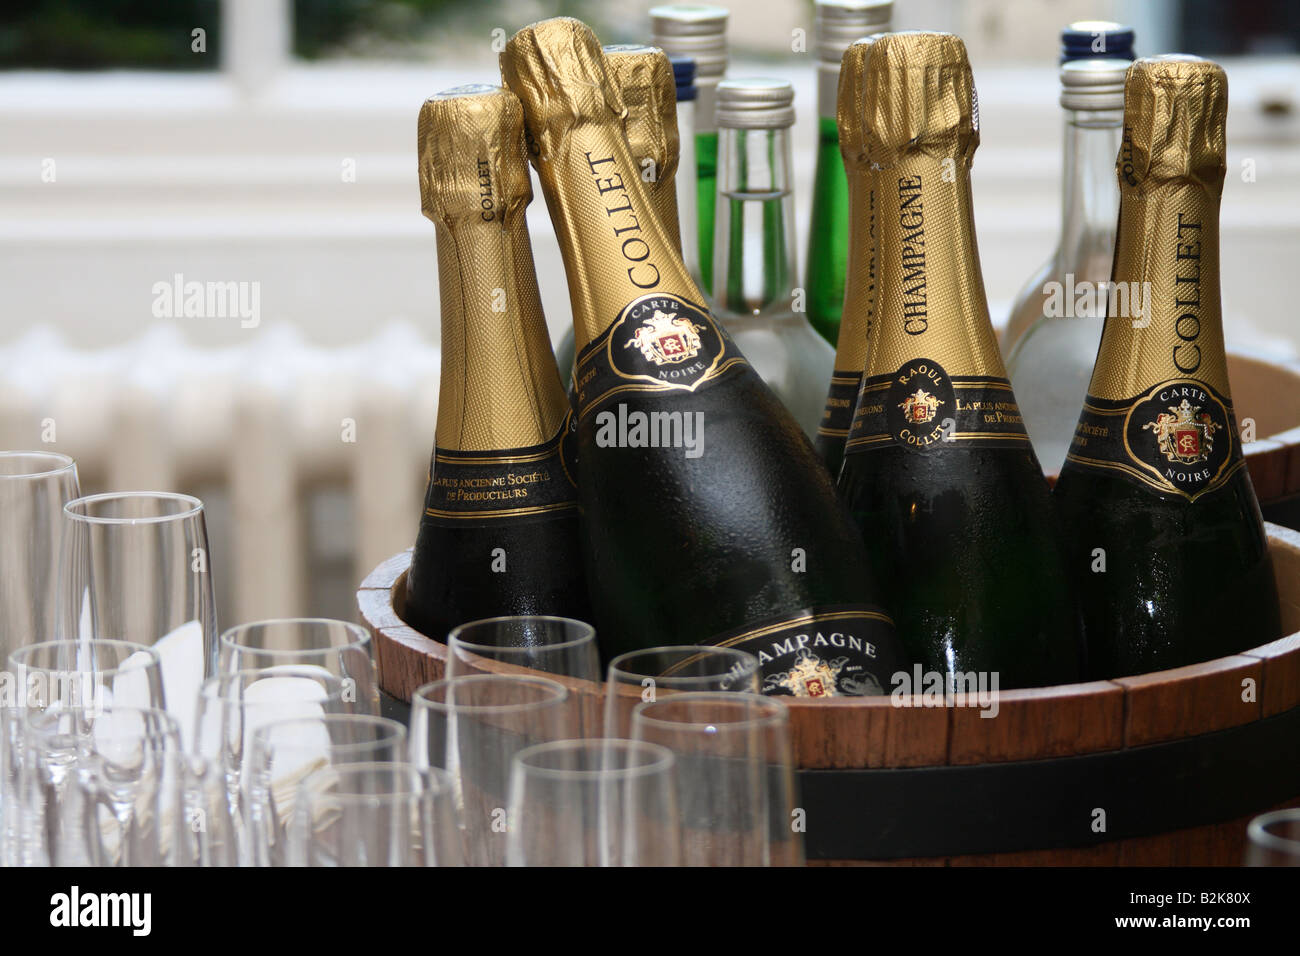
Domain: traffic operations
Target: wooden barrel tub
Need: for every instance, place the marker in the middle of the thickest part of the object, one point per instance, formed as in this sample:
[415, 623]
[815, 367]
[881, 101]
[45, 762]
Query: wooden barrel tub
[1160, 769]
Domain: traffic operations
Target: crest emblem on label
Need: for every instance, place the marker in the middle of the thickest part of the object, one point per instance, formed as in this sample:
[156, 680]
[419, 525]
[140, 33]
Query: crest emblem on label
[1178, 438]
[810, 676]
[919, 407]
[665, 341]
[915, 394]
[667, 338]
[1185, 436]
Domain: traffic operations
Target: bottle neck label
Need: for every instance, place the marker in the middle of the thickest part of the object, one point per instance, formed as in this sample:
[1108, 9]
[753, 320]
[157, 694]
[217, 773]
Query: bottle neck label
[659, 343]
[830, 651]
[1179, 438]
[837, 417]
[1159, 411]
[923, 408]
[934, 378]
[477, 488]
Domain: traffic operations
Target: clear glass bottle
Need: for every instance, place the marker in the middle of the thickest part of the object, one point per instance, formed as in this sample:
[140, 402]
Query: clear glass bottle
[754, 263]
[1081, 40]
[687, 175]
[1051, 361]
[838, 23]
[700, 32]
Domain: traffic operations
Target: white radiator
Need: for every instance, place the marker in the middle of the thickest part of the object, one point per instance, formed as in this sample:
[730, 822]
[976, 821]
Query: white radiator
[312, 461]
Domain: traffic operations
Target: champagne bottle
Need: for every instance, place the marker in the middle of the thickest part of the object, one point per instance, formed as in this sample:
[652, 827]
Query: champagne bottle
[645, 77]
[860, 276]
[1088, 157]
[754, 246]
[1164, 532]
[837, 24]
[1050, 365]
[706, 516]
[700, 32]
[499, 534]
[938, 470]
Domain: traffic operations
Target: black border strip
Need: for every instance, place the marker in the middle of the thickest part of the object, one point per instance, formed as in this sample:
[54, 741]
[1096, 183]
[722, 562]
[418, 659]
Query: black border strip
[1049, 804]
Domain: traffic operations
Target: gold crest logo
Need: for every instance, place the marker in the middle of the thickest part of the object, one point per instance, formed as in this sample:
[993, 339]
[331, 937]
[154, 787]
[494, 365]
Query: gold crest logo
[666, 338]
[1185, 436]
[920, 407]
[810, 676]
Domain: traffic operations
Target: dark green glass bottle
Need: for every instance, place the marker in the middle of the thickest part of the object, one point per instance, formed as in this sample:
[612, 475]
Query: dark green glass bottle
[1164, 533]
[706, 516]
[499, 533]
[938, 470]
[838, 23]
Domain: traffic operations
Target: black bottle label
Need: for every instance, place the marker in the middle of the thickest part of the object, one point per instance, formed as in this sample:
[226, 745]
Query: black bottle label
[923, 408]
[660, 343]
[830, 651]
[841, 398]
[1180, 439]
[485, 486]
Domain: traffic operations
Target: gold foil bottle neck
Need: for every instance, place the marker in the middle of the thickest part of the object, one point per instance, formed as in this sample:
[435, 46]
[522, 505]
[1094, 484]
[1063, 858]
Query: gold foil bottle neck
[851, 105]
[920, 97]
[471, 155]
[559, 66]
[500, 388]
[644, 77]
[1175, 114]
[860, 279]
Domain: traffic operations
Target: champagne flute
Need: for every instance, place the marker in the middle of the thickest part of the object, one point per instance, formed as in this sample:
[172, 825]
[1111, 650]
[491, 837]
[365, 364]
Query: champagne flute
[735, 776]
[374, 814]
[73, 683]
[1273, 839]
[232, 707]
[11, 818]
[639, 676]
[593, 803]
[135, 566]
[34, 486]
[338, 647]
[557, 645]
[472, 727]
[130, 777]
[285, 751]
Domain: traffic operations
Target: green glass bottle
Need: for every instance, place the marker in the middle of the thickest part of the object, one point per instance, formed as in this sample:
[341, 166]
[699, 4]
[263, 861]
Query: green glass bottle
[699, 31]
[706, 516]
[1163, 530]
[838, 23]
[938, 470]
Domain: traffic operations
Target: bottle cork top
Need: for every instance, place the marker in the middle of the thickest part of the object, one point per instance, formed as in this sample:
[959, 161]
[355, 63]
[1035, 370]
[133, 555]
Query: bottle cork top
[920, 97]
[644, 76]
[471, 154]
[558, 70]
[1175, 113]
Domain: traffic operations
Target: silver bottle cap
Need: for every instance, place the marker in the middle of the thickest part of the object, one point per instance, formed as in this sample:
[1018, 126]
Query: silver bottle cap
[695, 30]
[755, 104]
[1095, 84]
[840, 22]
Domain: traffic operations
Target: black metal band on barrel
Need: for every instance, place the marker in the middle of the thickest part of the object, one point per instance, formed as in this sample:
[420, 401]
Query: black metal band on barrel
[1051, 804]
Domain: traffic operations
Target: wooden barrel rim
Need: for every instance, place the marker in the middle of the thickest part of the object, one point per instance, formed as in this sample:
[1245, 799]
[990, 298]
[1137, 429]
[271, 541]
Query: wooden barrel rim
[1157, 752]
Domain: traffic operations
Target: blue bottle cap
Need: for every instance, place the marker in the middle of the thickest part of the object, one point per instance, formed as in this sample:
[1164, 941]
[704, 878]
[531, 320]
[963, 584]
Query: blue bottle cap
[684, 75]
[1085, 39]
